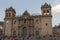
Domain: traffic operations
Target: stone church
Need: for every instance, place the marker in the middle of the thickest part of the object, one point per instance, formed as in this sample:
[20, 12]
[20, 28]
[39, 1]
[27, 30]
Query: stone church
[26, 26]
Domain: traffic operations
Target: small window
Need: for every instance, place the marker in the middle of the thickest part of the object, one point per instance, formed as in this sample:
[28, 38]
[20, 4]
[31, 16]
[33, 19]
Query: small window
[47, 11]
[18, 27]
[50, 35]
[13, 15]
[46, 24]
[24, 20]
[43, 36]
[14, 22]
[44, 11]
[9, 14]
[37, 20]
[6, 14]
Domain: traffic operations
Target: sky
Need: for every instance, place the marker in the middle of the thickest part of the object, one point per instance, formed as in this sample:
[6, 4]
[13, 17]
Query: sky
[33, 7]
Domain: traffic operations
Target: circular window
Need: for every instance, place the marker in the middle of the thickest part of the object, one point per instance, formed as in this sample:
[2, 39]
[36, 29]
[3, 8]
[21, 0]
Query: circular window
[46, 24]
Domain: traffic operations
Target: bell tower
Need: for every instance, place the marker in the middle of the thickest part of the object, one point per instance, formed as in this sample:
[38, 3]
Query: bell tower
[10, 13]
[46, 9]
[8, 21]
[46, 20]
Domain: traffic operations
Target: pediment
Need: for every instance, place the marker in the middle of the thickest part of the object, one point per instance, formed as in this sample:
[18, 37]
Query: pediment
[26, 14]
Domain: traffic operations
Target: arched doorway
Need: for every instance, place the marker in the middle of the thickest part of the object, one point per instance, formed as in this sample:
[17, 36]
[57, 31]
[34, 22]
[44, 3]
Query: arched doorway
[24, 31]
[37, 35]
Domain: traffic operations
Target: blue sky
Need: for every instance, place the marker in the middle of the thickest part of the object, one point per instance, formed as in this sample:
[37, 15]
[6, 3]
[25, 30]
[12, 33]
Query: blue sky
[33, 7]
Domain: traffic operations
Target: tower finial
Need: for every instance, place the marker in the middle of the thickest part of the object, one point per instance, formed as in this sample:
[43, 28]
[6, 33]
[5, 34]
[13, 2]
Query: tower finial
[10, 12]
[46, 9]
[10, 9]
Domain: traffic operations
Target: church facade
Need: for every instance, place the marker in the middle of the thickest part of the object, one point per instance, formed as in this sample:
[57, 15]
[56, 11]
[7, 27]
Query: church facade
[27, 26]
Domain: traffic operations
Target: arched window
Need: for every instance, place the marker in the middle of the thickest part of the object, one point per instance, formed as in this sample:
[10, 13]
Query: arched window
[37, 35]
[24, 20]
[44, 11]
[47, 11]
[6, 14]
[24, 31]
[14, 21]
[9, 14]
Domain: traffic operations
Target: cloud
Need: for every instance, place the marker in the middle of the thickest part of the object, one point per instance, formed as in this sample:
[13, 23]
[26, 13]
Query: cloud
[56, 14]
[56, 9]
[57, 1]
